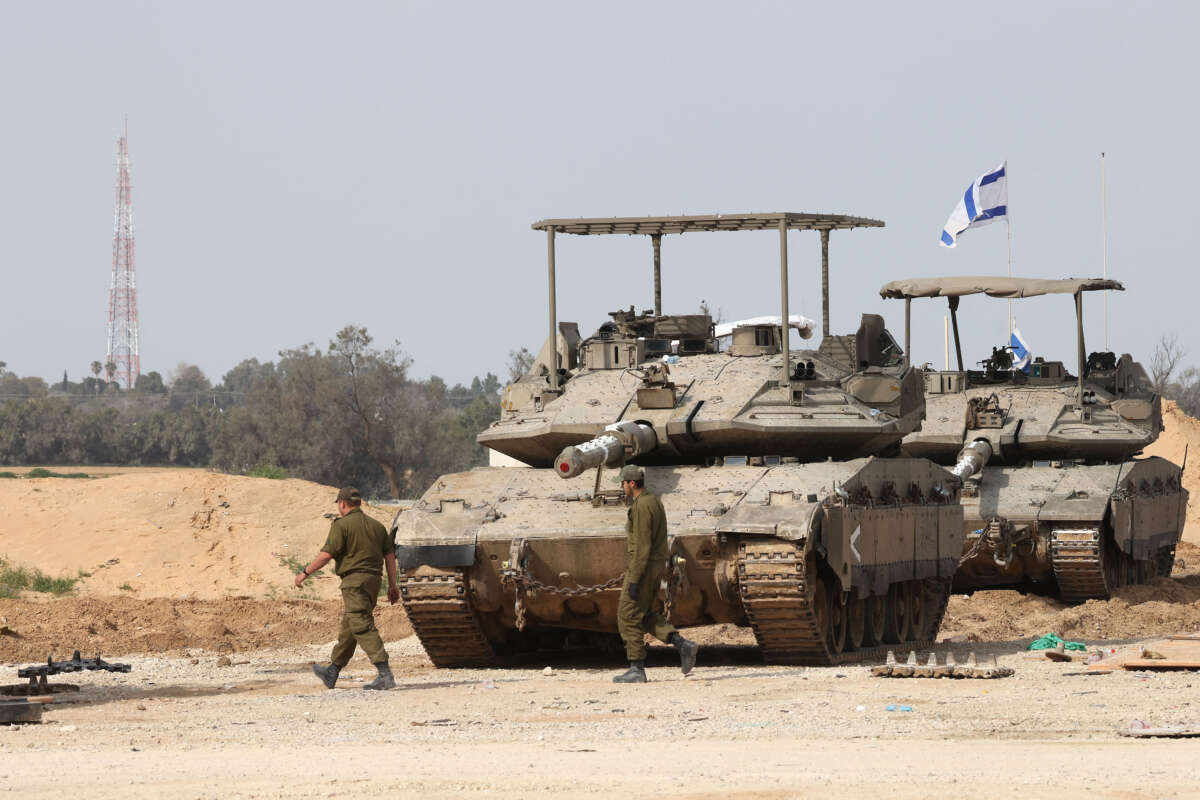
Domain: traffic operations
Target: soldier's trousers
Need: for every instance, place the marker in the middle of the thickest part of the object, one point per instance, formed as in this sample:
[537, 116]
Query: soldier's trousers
[360, 591]
[635, 617]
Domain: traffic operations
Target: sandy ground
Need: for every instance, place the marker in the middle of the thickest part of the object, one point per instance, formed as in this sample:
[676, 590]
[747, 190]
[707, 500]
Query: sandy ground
[263, 727]
[189, 582]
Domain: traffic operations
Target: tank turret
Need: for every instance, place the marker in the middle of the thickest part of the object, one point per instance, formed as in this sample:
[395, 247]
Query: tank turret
[1055, 492]
[781, 515]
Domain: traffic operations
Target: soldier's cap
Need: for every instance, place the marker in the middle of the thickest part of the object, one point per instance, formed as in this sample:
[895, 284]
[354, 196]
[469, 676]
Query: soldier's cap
[349, 494]
[632, 472]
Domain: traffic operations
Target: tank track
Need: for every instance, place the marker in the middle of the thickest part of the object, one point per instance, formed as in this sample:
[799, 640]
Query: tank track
[438, 606]
[1084, 573]
[773, 586]
[1076, 555]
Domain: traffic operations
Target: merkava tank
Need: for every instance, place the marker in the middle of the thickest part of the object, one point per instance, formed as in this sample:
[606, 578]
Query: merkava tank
[781, 516]
[1054, 491]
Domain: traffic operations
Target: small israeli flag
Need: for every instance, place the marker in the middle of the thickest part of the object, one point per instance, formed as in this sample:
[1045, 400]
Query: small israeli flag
[984, 201]
[1020, 351]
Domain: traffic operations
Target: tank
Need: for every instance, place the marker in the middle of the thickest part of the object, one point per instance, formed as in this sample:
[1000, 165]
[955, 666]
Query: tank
[783, 516]
[1055, 491]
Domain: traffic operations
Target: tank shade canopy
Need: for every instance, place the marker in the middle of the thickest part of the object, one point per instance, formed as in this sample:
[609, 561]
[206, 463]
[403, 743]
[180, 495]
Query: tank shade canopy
[651, 226]
[655, 227]
[993, 286]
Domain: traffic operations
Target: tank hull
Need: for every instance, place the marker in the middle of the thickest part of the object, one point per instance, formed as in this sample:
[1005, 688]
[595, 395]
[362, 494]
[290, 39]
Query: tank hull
[1083, 530]
[826, 562]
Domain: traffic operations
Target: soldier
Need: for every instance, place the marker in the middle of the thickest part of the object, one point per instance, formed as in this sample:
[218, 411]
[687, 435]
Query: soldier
[361, 547]
[646, 548]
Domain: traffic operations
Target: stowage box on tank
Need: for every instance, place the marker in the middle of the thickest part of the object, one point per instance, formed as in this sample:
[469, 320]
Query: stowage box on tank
[1054, 491]
[787, 508]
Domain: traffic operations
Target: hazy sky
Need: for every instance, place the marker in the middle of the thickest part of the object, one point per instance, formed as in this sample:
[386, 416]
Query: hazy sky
[298, 167]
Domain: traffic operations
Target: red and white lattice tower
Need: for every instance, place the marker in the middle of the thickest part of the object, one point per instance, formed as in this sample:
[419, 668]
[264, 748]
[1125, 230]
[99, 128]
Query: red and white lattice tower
[122, 342]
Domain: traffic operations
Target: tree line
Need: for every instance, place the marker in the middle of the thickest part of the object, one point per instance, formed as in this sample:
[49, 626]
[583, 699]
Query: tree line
[346, 414]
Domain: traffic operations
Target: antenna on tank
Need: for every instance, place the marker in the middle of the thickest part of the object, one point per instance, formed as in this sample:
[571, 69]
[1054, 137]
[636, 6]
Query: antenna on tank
[1104, 239]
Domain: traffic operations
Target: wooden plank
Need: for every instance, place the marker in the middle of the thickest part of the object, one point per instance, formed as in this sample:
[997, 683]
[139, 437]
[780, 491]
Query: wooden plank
[1174, 733]
[1159, 663]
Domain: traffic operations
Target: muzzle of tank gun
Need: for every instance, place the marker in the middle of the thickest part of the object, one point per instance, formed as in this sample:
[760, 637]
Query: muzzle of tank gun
[971, 459]
[619, 442]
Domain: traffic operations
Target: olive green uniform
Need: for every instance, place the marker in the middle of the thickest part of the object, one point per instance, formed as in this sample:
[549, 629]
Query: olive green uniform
[358, 545]
[646, 563]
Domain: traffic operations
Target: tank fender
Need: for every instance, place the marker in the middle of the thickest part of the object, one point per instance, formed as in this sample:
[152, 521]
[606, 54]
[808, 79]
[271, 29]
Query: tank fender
[839, 540]
[435, 555]
[1151, 501]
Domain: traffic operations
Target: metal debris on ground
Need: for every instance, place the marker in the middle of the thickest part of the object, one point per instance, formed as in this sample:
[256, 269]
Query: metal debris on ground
[37, 674]
[932, 669]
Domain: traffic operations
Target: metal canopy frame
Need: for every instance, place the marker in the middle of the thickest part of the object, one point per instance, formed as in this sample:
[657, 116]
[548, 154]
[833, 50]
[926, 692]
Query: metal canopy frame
[955, 288]
[656, 227]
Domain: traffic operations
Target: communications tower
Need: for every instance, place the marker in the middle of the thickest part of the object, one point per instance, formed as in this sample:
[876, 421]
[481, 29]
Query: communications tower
[121, 350]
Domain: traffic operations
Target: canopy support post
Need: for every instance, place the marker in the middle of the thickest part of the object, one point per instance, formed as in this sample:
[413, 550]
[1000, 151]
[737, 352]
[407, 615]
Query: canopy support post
[824, 282]
[656, 240]
[907, 332]
[553, 312]
[1081, 347]
[785, 320]
[954, 322]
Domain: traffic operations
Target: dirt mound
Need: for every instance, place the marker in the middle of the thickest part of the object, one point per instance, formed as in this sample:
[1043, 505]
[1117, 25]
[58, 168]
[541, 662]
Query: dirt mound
[171, 532]
[1166, 606]
[119, 625]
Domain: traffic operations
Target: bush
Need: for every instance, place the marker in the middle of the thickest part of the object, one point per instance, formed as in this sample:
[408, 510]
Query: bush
[8, 474]
[40, 472]
[13, 580]
[267, 471]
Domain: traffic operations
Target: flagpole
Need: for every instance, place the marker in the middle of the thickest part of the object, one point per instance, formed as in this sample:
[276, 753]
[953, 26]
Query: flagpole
[1104, 228]
[1008, 224]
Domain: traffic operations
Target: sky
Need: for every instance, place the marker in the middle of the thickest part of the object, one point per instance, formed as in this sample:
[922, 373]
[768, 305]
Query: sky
[299, 167]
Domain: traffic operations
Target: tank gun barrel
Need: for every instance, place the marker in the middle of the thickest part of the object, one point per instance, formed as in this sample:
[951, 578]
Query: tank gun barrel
[620, 441]
[972, 458]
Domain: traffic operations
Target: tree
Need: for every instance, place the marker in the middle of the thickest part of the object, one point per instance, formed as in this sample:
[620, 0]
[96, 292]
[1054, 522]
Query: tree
[189, 385]
[97, 368]
[150, 383]
[1167, 356]
[519, 364]
[373, 390]
[110, 369]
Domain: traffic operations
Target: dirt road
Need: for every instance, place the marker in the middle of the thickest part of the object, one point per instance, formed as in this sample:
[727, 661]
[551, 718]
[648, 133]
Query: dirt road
[264, 727]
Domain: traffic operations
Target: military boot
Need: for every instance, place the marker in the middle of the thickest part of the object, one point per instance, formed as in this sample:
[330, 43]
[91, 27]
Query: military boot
[328, 675]
[384, 680]
[635, 674]
[687, 651]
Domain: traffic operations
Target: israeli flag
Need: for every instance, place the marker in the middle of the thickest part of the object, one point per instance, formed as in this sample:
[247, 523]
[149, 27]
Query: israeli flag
[984, 201]
[1020, 351]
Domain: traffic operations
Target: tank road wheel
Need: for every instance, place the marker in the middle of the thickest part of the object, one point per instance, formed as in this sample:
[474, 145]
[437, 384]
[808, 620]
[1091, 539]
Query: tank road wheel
[916, 604]
[1166, 561]
[899, 614]
[1146, 570]
[837, 621]
[856, 623]
[876, 608]
[820, 604]
[1112, 571]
